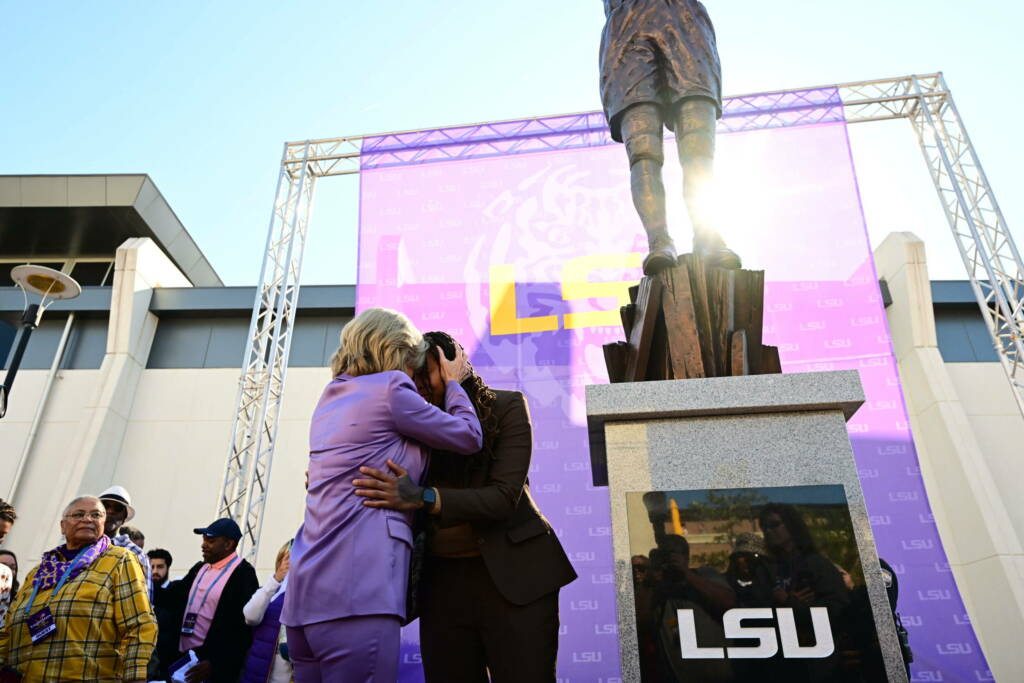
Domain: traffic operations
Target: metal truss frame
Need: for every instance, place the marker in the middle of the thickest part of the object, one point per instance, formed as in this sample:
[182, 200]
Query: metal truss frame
[993, 263]
[254, 430]
[990, 256]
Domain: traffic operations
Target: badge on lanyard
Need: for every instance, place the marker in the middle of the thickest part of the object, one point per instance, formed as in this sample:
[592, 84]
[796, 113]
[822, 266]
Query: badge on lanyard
[188, 624]
[41, 625]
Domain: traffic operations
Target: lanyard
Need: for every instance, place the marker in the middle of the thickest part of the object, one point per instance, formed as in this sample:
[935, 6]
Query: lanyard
[195, 589]
[60, 584]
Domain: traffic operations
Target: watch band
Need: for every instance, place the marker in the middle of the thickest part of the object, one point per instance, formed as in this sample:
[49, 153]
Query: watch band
[429, 497]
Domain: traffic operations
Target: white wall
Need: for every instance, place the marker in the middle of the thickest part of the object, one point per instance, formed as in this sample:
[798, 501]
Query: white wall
[49, 465]
[998, 426]
[963, 474]
[176, 447]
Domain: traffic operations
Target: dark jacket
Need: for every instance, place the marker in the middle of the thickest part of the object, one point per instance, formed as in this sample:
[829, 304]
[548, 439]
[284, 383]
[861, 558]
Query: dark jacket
[168, 622]
[519, 547]
[229, 636]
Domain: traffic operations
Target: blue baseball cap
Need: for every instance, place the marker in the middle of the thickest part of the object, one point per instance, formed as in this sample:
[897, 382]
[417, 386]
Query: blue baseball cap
[225, 527]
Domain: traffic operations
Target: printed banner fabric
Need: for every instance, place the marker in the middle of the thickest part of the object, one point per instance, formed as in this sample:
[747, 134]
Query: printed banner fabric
[520, 240]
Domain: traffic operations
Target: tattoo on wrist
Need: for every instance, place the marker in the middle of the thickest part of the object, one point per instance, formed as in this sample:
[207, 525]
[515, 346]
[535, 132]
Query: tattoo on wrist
[409, 491]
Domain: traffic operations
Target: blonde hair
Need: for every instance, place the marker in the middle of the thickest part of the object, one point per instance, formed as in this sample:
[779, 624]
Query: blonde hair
[286, 548]
[378, 340]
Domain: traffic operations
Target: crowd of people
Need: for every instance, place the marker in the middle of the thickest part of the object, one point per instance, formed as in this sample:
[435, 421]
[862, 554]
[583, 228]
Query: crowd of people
[417, 505]
[99, 608]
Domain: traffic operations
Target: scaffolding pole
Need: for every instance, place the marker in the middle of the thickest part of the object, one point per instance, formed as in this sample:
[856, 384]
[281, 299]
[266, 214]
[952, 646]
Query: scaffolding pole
[254, 431]
[986, 246]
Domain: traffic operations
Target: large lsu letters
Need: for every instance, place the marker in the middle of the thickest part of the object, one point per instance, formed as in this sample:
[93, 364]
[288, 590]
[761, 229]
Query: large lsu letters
[767, 644]
[576, 286]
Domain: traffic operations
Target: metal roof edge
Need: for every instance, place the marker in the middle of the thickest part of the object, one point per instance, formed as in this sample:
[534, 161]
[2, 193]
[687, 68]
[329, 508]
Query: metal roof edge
[325, 299]
[312, 299]
[91, 299]
[952, 293]
[187, 269]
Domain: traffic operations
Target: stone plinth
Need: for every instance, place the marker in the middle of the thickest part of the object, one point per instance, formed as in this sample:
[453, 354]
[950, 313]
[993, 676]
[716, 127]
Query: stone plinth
[730, 432]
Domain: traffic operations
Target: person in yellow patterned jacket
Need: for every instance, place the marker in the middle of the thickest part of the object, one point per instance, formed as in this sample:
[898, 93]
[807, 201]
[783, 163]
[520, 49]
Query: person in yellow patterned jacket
[83, 614]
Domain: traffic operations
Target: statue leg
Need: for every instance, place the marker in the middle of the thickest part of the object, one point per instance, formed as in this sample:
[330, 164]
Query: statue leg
[642, 132]
[695, 141]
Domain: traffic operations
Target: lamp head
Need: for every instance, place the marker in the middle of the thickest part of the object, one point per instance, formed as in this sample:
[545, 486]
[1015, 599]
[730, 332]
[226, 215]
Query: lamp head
[45, 282]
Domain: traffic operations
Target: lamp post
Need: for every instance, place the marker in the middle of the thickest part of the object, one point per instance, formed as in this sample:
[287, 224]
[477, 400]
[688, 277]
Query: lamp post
[50, 285]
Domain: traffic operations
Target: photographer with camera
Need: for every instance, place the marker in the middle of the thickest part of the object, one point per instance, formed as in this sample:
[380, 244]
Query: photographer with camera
[675, 586]
[702, 591]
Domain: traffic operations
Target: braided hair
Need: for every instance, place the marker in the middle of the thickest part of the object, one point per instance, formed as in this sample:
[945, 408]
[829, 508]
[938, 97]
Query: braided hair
[481, 395]
[7, 512]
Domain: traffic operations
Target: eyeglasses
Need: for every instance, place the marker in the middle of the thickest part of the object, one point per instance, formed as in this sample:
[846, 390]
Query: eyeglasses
[93, 516]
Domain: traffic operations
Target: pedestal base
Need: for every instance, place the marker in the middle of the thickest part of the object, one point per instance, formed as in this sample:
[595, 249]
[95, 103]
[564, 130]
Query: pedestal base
[748, 432]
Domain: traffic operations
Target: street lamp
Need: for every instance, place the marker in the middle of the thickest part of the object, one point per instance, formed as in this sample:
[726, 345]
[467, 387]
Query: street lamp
[48, 284]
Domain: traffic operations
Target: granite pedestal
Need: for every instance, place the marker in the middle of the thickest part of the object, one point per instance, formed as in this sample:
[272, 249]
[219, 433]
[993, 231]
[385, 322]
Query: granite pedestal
[725, 433]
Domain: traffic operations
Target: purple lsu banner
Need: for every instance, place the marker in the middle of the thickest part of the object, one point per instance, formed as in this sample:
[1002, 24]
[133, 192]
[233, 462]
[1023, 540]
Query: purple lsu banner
[520, 239]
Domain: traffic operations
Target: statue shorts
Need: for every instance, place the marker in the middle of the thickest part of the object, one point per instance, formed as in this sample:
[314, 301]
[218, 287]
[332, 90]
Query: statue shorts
[660, 52]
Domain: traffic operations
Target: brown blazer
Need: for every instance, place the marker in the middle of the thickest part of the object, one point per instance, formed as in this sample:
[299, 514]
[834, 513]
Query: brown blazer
[519, 547]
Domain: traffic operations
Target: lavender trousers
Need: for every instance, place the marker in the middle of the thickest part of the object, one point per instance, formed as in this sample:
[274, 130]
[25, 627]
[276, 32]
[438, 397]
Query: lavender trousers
[353, 650]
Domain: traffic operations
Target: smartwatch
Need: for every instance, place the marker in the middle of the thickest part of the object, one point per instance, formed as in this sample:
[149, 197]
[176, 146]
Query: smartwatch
[429, 498]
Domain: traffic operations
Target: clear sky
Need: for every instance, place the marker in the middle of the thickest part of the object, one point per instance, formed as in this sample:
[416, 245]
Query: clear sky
[201, 95]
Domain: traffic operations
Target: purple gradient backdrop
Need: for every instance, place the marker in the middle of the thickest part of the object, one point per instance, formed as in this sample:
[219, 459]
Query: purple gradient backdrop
[431, 228]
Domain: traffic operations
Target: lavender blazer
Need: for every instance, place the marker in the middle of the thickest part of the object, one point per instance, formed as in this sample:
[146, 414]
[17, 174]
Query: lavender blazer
[349, 559]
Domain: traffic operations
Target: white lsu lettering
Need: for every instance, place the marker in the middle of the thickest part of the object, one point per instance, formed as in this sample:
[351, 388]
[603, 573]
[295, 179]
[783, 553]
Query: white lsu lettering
[768, 645]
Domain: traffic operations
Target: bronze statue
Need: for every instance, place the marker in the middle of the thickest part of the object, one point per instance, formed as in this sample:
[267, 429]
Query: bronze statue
[660, 67]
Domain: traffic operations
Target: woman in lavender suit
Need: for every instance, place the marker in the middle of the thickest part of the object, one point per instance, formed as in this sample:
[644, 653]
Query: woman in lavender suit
[347, 583]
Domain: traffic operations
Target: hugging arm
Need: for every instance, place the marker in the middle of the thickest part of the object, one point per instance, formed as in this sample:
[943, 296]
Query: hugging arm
[457, 430]
[496, 500]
